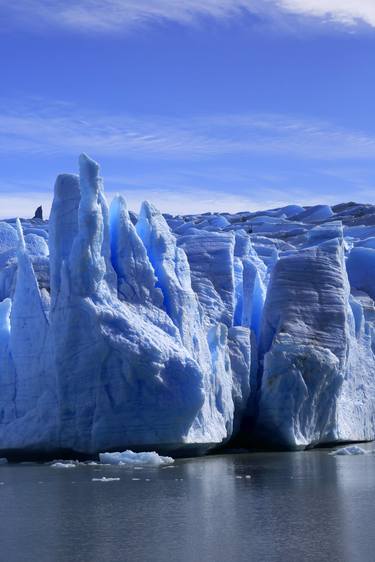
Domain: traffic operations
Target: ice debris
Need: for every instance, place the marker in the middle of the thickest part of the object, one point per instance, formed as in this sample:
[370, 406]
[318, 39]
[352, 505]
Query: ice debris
[130, 458]
[105, 479]
[348, 451]
[64, 464]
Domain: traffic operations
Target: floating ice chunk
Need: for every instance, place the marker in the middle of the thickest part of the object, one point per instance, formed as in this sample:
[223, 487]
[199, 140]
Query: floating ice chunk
[105, 479]
[64, 464]
[130, 458]
[348, 451]
[3, 461]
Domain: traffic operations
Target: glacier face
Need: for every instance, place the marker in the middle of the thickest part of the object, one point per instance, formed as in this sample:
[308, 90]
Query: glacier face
[120, 330]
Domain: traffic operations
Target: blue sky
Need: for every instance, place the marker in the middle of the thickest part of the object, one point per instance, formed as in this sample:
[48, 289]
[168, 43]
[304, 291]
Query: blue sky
[215, 105]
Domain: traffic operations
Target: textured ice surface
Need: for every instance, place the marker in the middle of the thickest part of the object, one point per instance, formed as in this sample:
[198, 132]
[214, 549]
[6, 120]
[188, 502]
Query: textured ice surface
[150, 331]
[130, 458]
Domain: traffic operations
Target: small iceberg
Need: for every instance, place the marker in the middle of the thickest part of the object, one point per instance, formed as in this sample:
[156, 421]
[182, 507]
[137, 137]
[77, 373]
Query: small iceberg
[104, 479]
[352, 450]
[130, 458]
[3, 460]
[64, 464]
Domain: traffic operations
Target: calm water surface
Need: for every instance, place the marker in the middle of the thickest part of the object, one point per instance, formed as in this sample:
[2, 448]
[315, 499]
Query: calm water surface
[295, 507]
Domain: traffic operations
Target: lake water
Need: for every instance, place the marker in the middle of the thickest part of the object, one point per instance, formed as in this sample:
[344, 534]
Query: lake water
[294, 507]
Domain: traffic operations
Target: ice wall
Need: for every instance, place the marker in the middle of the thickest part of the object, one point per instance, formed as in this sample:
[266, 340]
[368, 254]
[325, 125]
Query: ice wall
[121, 330]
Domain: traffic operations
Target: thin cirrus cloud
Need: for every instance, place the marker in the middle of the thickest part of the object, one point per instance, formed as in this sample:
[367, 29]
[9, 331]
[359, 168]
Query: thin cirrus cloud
[215, 155]
[112, 15]
[346, 12]
[167, 200]
[61, 130]
[16, 200]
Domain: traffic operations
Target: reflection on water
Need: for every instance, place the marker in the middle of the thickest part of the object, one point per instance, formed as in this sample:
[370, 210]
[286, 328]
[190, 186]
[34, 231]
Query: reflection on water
[255, 507]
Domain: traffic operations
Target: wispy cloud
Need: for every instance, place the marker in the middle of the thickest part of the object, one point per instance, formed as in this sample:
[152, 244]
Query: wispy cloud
[166, 200]
[178, 200]
[112, 15]
[216, 188]
[233, 161]
[24, 205]
[60, 129]
[346, 12]
[104, 15]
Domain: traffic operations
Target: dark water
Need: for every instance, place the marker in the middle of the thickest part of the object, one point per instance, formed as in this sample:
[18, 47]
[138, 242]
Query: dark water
[295, 507]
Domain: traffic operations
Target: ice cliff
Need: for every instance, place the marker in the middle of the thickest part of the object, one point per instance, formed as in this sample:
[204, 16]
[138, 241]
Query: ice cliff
[152, 331]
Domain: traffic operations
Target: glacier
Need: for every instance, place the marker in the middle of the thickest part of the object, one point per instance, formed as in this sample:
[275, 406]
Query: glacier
[182, 333]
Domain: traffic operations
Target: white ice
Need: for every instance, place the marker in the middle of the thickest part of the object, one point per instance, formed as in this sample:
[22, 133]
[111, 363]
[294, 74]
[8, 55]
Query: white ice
[130, 458]
[64, 464]
[105, 479]
[348, 451]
